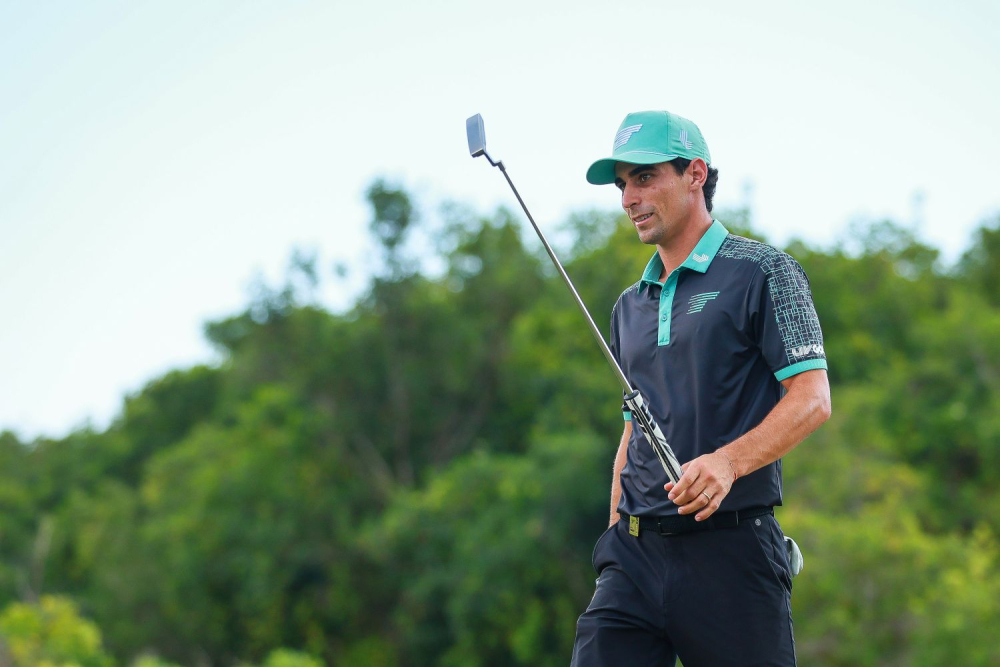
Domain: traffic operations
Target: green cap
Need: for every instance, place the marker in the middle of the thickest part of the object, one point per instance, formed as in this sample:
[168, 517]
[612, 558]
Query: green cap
[650, 137]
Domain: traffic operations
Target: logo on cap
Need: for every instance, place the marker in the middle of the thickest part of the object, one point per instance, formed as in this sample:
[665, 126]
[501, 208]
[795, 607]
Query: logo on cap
[684, 139]
[624, 135]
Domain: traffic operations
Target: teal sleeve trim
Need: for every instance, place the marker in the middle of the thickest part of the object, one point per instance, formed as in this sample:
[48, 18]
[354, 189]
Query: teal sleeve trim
[800, 367]
[627, 415]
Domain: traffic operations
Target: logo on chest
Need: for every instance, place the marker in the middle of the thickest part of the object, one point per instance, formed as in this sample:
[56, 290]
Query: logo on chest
[697, 302]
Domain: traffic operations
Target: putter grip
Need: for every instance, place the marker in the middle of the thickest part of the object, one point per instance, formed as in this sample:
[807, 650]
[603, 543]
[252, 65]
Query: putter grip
[655, 437]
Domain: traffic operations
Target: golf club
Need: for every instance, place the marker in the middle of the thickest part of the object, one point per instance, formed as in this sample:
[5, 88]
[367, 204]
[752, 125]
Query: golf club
[633, 399]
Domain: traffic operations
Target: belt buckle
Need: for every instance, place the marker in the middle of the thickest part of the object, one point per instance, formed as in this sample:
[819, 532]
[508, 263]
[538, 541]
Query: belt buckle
[661, 530]
[633, 526]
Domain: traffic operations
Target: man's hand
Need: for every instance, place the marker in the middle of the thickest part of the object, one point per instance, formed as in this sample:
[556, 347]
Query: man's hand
[706, 480]
[704, 483]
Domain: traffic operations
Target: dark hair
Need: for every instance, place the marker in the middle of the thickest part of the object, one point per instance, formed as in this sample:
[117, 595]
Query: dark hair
[681, 165]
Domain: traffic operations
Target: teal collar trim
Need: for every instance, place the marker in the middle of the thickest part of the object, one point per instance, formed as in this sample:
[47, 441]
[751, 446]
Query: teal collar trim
[699, 260]
[704, 252]
[653, 270]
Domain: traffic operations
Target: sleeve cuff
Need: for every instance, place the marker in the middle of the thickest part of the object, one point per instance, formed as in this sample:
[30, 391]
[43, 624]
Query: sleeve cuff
[627, 415]
[801, 367]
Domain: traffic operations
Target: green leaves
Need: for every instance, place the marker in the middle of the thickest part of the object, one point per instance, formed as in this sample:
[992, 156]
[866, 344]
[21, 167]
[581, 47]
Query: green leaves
[420, 480]
[980, 265]
[50, 633]
[486, 559]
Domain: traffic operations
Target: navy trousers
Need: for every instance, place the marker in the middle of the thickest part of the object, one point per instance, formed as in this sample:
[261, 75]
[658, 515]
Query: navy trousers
[712, 599]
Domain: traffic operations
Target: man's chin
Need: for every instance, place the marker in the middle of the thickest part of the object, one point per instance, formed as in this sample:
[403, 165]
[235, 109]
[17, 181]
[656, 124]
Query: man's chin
[649, 237]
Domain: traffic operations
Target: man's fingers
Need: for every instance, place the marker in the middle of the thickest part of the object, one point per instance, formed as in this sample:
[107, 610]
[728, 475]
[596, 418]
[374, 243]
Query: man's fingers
[670, 485]
[700, 500]
[680, 491]
[710, 507]
[705, 503]
[700, 488]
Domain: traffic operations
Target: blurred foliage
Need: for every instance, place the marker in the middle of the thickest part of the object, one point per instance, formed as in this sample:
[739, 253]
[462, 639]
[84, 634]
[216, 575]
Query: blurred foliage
[420, 480]
[50, 633]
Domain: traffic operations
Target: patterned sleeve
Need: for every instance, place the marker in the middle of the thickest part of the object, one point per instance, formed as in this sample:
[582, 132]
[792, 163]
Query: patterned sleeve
[788, 330]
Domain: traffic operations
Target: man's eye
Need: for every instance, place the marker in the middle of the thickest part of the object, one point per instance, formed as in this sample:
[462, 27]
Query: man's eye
[644, 177]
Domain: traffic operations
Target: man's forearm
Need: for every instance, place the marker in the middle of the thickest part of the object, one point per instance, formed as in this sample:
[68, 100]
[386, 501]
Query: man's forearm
[708, 479]
[616, 485]
[800, 412]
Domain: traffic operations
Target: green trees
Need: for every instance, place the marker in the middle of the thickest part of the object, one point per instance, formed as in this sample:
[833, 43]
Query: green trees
[488, 561]
[420, 480]
[49, 634]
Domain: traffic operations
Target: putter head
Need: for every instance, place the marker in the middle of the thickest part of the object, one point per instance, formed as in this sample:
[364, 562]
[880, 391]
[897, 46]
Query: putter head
[477, 135]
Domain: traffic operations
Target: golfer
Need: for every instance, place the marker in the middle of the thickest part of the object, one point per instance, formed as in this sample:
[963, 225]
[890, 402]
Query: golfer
[721, 338]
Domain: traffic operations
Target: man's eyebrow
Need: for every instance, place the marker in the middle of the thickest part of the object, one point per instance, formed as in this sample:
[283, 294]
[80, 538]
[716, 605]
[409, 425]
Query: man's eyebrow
[641, 168]
[620, 182]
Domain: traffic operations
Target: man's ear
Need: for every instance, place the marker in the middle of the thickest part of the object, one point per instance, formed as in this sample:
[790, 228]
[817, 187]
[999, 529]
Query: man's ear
[699, 172]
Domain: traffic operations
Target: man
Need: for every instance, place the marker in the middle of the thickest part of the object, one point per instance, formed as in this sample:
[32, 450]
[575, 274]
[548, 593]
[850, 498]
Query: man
[721, 338]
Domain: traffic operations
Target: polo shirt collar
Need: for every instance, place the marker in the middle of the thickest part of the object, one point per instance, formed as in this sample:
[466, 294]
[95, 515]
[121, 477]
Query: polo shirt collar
[699, 259]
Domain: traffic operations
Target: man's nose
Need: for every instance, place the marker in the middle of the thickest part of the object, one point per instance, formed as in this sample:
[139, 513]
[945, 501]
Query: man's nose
[629, 197]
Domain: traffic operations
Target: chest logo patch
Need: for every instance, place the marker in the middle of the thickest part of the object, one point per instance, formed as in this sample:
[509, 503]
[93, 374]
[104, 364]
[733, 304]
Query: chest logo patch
[698, 301]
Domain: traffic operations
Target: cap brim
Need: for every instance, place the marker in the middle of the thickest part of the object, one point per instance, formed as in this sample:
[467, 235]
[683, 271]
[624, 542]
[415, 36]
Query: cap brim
[602, 172]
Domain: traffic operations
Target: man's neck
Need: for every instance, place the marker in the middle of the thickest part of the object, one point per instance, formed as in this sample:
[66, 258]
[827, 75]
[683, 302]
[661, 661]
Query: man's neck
[676, 250]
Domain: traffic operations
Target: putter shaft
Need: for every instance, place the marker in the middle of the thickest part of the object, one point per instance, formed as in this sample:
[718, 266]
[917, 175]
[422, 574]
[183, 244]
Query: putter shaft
[633, 399]
[569, 284]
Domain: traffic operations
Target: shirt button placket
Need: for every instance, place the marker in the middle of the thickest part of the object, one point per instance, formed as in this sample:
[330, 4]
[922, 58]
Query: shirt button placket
[666, 304]
[666, 300]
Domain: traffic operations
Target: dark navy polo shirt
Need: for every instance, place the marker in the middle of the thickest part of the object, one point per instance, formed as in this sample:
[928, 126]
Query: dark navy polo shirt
[707, 349]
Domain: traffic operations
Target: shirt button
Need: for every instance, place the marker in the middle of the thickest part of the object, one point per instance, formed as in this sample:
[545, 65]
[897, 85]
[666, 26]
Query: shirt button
[664, 318]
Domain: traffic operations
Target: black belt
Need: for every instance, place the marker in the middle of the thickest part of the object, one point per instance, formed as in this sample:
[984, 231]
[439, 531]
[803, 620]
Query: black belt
[684, 523]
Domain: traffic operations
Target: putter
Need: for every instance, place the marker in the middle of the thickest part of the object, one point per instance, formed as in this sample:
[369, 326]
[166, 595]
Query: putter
[633, 399]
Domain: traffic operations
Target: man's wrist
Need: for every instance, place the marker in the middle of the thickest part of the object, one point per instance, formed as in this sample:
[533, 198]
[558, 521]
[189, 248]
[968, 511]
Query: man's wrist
[732, 466]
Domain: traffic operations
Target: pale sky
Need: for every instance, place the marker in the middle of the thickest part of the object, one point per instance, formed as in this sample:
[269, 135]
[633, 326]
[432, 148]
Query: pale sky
[155, 157]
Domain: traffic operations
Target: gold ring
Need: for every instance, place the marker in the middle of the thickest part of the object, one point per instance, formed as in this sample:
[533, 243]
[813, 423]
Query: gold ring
[707, 496]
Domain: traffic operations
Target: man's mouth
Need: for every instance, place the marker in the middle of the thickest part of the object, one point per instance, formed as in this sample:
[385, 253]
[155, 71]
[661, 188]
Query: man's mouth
[641, 218]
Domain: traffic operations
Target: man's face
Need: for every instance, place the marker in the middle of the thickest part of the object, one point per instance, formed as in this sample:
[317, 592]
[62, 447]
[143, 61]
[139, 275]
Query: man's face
[656, 198]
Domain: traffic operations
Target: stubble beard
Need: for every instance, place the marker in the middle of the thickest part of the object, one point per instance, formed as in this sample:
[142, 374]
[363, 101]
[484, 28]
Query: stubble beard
[652, 236]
